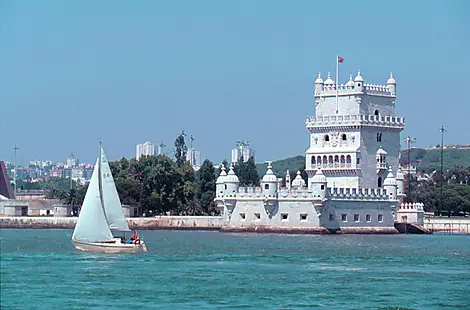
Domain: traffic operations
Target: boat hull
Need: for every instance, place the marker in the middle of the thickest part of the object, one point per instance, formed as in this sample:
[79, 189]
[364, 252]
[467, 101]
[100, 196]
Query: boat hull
[112, 248]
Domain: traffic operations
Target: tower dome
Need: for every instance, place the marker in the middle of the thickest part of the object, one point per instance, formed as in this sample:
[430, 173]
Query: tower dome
[319, 177]
[392, 85]
[350, 83]
[329, 80]
[358, 77]
[390, 179]
[222, 175]
[298, 181]
[220, 183]
[390, 185]
[381, 151]
[269, 176]
[391, 80]
[231, 177]
[319, 80]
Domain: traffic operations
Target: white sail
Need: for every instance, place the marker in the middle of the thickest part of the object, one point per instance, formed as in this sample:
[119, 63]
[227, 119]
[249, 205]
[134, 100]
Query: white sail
[111, 201]
[92, 225]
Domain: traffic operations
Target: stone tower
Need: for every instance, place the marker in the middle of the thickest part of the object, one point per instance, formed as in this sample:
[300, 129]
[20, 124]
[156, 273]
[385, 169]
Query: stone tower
[355, 135]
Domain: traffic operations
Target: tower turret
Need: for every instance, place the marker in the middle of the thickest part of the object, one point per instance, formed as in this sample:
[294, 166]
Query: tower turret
[232, 182]
[392, 85]
[269, 183]
[318, 84]
[298, 181]
[329, 81]
[318, 184]
[350, 83]
[358, 81]
[400, 186]
[220, 183]
[390, 185]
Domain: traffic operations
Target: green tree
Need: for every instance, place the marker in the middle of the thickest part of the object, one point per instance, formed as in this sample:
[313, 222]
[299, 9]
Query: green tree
[247, 172]
[206, 186]
[181, 150]
[185, 190]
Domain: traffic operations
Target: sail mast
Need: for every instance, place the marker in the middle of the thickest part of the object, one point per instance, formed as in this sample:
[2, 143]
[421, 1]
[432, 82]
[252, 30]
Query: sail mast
[100, 186]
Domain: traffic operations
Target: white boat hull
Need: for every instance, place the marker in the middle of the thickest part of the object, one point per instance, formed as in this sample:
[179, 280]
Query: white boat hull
[112, 247]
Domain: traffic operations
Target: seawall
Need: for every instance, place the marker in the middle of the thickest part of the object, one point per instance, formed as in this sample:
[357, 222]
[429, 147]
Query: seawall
[141, 223]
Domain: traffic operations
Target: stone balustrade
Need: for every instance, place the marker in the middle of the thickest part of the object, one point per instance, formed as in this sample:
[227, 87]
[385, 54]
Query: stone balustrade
[343, 120]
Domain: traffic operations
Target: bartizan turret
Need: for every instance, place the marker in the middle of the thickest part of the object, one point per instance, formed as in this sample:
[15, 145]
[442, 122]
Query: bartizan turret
[400, 186]
[220, 183]
[318, 84]
[392, 85]
[232, 183]
[390, 185]
[269, 183]
[359, 81]
[298, 182]
[318, 184]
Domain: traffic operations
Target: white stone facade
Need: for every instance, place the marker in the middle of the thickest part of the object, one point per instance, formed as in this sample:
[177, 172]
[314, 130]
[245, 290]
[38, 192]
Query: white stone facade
[353, 154]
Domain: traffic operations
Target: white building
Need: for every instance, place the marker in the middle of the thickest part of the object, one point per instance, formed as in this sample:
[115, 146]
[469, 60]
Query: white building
[71, 161]
[145, 149]
[240, 152]
[193, 156]
[351, 163]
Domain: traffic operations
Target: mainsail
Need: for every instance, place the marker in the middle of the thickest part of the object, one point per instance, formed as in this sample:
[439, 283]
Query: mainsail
[92, 225]
[111, 201]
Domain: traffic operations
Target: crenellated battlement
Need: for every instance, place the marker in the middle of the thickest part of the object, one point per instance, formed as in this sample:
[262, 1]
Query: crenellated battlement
[408, 206]
[373, 89]
[358, 193]
[354, 120]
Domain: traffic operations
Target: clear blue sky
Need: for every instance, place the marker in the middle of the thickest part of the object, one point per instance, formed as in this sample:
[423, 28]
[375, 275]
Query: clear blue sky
[72, 72]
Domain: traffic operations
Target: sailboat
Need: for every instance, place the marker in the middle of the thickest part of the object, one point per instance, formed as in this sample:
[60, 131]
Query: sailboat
[101, 216]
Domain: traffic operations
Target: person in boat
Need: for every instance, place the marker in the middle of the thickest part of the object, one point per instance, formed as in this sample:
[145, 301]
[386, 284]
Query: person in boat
[134, 236]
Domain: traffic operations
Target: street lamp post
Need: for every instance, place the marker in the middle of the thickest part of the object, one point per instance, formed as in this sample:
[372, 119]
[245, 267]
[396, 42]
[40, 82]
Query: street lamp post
[441, 201]
[15, 148]
[409, 141]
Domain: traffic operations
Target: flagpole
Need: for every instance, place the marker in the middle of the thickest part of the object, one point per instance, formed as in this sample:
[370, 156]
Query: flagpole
[337, 59]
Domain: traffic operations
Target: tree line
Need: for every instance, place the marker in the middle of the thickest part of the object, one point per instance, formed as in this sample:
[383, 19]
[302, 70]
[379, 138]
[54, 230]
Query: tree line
[163, 185]
[455, 199]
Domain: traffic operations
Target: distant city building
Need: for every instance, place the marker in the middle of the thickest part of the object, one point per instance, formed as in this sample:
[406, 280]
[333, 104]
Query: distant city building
[72, 161]
[193, 156]
[145, 149]
[242, 150]
[56, 172]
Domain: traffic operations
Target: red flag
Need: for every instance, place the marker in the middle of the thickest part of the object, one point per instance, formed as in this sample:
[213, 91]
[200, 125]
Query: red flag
[340, 59]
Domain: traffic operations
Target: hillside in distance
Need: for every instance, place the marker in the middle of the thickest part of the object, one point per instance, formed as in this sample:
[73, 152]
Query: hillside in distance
[426, 160]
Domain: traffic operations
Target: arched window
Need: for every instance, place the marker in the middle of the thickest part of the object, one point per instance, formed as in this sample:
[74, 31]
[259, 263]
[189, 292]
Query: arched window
[327, 138]
[348, 159]
[379, 182]
[319, 160]
[343, 137]
[330, 159]
[312, 161]
[342, 159]
[376, 112]
[325, 160]
[379, 137]
[266, 186]
[336, 159]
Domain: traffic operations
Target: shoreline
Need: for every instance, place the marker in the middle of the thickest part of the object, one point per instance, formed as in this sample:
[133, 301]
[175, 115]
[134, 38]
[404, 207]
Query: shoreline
[216, 223]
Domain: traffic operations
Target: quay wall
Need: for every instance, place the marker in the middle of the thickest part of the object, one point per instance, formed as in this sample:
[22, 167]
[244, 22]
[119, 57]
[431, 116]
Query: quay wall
[142, 223]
